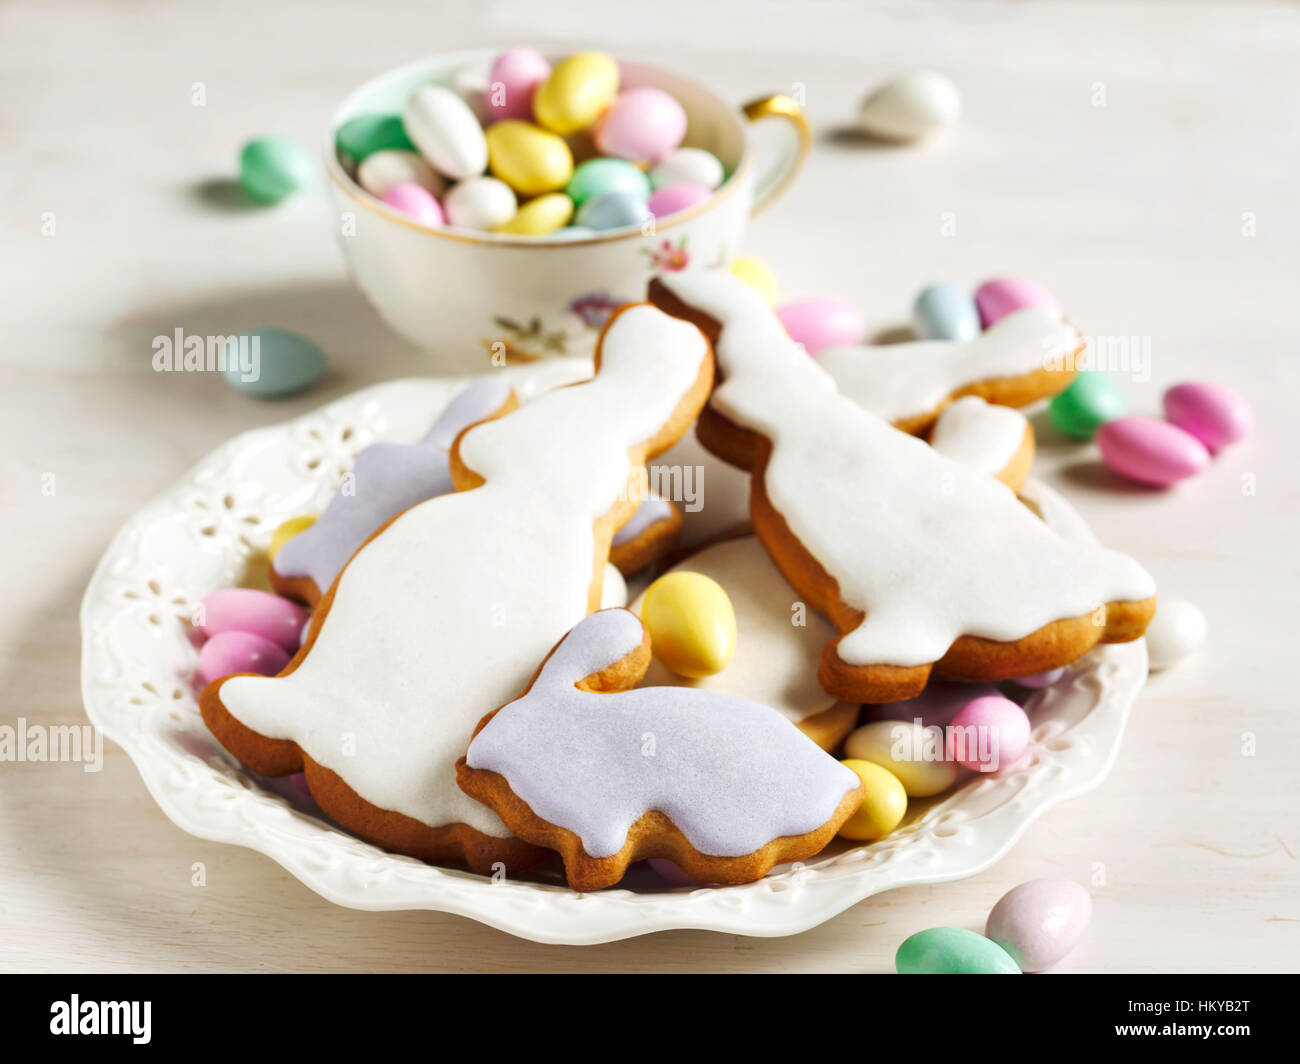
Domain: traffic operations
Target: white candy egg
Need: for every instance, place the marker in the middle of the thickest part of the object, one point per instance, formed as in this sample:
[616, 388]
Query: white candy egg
[1178, 628]
[445, 130]
[910, 751]
[382, 170]
[911, 107]
[687, 166]
[480, 203]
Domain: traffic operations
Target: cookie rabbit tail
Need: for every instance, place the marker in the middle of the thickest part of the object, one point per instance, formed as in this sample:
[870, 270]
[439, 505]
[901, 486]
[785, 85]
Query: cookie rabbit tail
[608, 651]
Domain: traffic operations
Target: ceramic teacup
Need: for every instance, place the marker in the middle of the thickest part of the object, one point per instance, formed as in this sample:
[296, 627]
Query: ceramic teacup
[474, 298]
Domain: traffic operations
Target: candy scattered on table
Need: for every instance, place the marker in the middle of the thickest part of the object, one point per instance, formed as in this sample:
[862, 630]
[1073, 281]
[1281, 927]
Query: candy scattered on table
[821, 323]
[416, 201]
[284, 363]
[244, 609]
[952, 951]
[883, 806]
[227, 653]
[537, 129]
[756, 273]
[945, 312]
[912, 752]
[1215, 415]
[1151, 451]
[911, 107]
[1090, 400]
[273, 168]
[691, 622]
[1001, 296]
[285, 531]
[1039, 922]
[1178, 628]
[994, 733]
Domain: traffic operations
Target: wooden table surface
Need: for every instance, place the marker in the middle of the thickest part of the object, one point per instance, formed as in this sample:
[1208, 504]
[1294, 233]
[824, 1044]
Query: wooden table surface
[1141, 161]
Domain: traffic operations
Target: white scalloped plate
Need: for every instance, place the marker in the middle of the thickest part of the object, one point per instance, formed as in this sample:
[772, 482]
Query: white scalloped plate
[210, 531]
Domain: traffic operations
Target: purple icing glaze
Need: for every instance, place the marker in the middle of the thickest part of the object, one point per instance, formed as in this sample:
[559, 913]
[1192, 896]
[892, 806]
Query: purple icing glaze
[731, 774]
[651, 511]
[387, 479]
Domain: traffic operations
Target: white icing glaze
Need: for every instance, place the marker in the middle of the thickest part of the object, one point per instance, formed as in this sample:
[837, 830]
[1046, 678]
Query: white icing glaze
[730, 773]
[775, 662]
[445, 615]
[897, 381]
[982, 436]
[928, 549]
[613, 592]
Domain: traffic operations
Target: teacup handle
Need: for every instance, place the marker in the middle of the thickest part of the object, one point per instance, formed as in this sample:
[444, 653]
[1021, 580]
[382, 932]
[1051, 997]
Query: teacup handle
[781, 171]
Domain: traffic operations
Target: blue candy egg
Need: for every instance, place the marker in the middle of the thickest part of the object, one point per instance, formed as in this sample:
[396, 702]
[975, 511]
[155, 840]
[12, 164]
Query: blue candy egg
[269, 363]
[613, 210]
[945, 312]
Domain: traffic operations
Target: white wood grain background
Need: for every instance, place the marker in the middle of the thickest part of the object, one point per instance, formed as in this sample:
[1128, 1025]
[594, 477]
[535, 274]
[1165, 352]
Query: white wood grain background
[1132, 212]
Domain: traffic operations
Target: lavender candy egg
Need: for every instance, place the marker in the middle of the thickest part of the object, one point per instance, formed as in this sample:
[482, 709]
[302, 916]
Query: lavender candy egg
[821, 323]
[227, 653]
[1005, 295]
[1151, 451]
[1215, 415]
[244, 609]
[674, 198]
[1038, 680]
[1039, 922]
[642, 125]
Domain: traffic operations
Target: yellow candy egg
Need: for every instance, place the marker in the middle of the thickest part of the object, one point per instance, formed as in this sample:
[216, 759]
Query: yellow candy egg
[578, 91]
[913, 753]
[691, 622]
[540, 216]
[755, 273]
[882, 808]
[286, 531]
[528, 159]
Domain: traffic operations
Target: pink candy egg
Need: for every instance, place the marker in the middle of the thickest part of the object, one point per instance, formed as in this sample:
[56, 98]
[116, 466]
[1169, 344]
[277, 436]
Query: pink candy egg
[989, 733]
[674, 198]
[227, 653]
[1039, 922]
[642, 125]
[242, 609]
[417, 201]
[1004, 295]
[513, 79]
[1151, 451]
[1215, 415]
[821, 323]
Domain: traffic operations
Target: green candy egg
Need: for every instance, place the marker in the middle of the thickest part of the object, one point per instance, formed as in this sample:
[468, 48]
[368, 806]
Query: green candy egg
[1089, 402]
[271, 168]
[367, 134]
[599, 177]
[952, 951]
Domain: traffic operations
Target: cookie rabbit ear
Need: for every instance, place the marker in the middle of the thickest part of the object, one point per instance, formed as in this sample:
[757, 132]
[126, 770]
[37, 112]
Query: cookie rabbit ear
[608, 651]
[484, 399]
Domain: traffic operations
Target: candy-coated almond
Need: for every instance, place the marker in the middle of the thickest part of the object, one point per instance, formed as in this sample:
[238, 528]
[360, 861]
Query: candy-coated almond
[527, 158]
[1039, 922]
[540, 216]
[1151, 451]
[1215, 415]
[883, 806]
[691, 622]
[952, 951]
[579, 89]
